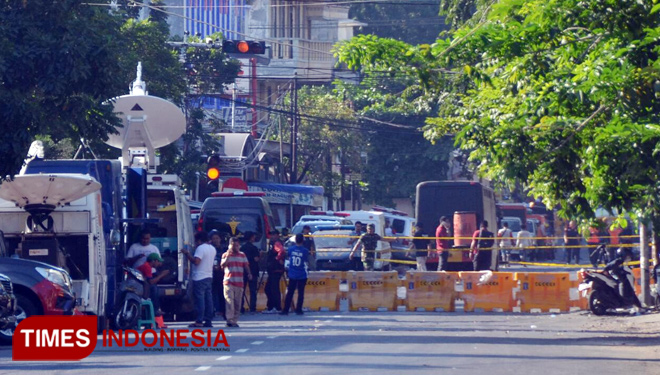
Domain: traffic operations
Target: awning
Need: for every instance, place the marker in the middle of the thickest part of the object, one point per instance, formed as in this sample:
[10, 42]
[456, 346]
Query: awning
[304, 195]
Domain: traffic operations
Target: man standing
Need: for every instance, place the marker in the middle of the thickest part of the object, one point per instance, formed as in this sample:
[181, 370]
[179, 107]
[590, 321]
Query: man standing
[138, 252]
[275, 269]
[525, 244]
[422, 245]
[572, 242]
[482, 248]
[153, 261]
[355, 236]
[234, 262]
[505, 236]
[298, 258]
[217, 289]
[442, 244]
[252, 254]
[202, 277]
[369, 242]
[308, 243]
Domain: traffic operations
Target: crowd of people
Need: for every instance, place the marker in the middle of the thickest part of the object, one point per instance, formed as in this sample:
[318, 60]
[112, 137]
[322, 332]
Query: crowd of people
[223, 271]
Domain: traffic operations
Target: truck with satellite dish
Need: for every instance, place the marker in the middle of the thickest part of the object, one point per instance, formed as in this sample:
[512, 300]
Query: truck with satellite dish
[82, 215]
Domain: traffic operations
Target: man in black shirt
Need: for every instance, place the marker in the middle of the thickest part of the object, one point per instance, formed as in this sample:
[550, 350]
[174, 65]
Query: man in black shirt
[252, 254]
[422, 245]
[482, 248]
[369, 241]
[571, 241]
[308, 243]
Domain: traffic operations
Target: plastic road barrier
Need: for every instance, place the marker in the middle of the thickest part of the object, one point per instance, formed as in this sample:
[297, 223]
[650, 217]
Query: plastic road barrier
[637, 274]
[495, 293]
[430, 291]
[543, 291]
[261, 294]
[372, 291]
[322, 291]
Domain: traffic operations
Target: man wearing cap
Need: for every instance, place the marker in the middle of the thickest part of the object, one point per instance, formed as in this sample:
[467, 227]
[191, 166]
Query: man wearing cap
[153, 261]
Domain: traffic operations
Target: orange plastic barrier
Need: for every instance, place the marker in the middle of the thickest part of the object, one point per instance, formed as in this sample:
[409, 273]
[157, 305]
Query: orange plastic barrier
[372, 290]
[544, 291]
[261, 294]
[496, 293]
[322, 291]
[637, 274]
[430, 291]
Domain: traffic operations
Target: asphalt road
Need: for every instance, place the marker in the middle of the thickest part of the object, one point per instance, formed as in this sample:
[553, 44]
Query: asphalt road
[396, 343]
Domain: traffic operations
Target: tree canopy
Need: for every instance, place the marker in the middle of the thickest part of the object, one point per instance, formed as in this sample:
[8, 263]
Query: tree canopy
[561, 95]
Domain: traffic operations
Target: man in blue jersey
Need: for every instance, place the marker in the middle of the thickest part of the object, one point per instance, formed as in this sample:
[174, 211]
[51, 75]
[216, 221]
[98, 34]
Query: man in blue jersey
[298, 258]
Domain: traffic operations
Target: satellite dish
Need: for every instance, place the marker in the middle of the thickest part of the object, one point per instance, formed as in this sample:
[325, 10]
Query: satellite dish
[149, 121]
[47, 190]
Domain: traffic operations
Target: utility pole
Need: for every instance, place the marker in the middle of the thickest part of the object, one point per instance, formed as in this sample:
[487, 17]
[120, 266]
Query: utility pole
[644, 264]
[294, 129]
[233, 106]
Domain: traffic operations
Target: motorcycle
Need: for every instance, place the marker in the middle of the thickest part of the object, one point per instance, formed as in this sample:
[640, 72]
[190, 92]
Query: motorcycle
[602, 291]
[132, 293]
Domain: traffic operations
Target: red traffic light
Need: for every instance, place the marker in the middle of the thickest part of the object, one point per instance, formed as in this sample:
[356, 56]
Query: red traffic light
[244, 47]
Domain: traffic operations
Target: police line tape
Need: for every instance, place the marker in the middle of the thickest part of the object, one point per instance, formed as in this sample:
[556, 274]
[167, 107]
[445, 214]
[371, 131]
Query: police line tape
[465, 238]
[526, 248]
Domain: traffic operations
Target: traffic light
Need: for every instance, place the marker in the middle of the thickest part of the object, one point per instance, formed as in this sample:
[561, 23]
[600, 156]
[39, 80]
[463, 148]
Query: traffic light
[243, 47]
[213, 167]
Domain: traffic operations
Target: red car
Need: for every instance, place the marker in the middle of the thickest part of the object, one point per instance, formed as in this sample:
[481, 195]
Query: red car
[40, 289]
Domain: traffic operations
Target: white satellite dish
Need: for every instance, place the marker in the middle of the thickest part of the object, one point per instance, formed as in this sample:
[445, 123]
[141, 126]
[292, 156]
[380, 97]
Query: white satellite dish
[149, 122]
[47, 190]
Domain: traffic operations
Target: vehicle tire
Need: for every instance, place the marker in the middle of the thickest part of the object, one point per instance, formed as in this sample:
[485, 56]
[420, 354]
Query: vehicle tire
[24, 308]
[130, 320]
[596, 304]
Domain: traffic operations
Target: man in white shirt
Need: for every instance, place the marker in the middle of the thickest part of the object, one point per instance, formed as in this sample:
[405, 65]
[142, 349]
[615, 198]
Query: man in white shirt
[202, 277]
[505, 242]
[139, 251]
[524, 242]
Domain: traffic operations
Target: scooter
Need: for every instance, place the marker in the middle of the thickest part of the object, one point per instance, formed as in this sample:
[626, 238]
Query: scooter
[128, 307]
[603, 291]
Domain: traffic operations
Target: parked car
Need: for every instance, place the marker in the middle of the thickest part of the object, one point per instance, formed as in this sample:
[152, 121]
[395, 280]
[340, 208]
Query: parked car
[313, 226]
[333, 249]
[7, 310]
[39, 288]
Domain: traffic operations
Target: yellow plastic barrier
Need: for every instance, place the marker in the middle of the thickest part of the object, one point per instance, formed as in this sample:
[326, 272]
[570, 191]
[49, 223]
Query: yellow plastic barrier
[637, 274]
[430, 291]
[543, 291]
[496, 293]
[372, 291]
[261, 294]
[322, 291]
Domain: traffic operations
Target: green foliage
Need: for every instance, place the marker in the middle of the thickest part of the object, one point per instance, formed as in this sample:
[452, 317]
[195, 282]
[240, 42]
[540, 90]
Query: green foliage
[562, 98]
[560, 95]
[60, 61]
[327, 137]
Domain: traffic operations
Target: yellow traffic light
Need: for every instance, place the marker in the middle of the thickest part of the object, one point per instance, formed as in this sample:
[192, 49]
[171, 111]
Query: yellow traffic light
[213, 173]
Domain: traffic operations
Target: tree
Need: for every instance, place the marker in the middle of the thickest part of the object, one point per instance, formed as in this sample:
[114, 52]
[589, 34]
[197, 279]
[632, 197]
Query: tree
[392, 106]
[60, 62]
[329, 139]
[560, 95]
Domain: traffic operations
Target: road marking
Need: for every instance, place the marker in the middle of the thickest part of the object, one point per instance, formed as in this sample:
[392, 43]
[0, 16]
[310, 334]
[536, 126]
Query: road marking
[223, 358]
[271, 337]
[242, 350]
[202, 368]
[257, 343]
[328, 321]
